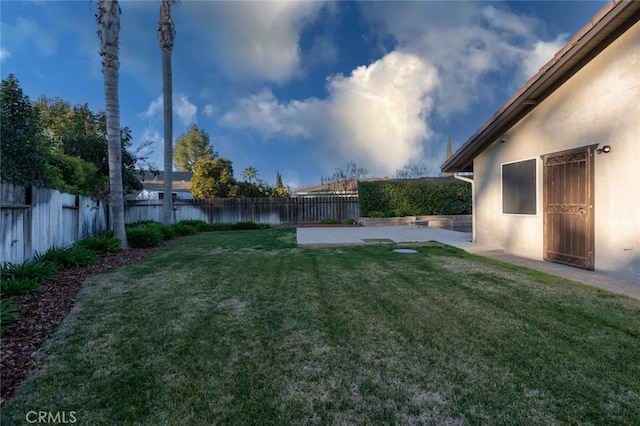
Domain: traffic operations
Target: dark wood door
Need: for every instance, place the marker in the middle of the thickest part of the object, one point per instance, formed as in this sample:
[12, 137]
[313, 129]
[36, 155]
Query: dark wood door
[568, 207]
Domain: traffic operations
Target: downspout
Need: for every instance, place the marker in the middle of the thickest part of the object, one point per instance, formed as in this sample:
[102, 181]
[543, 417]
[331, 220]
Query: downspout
[473, 204]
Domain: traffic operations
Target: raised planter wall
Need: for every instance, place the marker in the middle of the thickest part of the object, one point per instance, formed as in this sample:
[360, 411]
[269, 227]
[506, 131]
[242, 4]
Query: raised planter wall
[461, 223]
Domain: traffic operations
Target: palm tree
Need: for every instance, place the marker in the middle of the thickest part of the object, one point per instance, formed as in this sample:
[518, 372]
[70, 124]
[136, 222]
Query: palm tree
[249, 173]
[166, 36]
[108, 16]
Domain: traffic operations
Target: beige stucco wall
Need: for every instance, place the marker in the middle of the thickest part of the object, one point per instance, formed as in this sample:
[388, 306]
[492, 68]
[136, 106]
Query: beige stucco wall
[598, 105]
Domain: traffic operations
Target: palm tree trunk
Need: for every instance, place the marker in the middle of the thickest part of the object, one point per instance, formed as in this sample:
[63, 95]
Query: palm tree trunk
[108, 17]
[167, 89]
[166, 35]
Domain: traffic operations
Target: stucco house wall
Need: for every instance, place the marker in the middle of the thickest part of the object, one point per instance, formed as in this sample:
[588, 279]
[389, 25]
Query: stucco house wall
[600, 104]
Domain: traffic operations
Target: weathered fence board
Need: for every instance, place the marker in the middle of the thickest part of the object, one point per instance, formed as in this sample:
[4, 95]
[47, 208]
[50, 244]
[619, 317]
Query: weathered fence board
[32, 220]
[259, 210]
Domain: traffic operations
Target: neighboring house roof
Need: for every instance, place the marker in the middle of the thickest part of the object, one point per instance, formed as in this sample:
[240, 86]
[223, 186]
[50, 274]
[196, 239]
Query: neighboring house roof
[606, 26]
[154, 181]
[352, 185]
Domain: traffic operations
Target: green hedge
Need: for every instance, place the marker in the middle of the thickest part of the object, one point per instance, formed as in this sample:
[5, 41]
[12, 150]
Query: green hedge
[414, 198]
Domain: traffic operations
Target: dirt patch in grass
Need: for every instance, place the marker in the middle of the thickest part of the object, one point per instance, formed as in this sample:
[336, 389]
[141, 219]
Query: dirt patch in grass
[42, 312]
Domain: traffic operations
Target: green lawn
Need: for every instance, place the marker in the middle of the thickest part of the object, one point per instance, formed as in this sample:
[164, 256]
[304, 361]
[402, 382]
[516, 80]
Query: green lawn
[247, 328]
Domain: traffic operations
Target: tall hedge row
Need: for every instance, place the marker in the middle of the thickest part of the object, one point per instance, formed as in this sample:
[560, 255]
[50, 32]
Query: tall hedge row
[413, 198]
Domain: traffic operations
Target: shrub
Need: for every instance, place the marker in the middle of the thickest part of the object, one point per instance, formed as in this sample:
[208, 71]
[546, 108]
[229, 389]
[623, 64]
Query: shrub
[108, 233]
[141, 223]
[183, 229]
[11, 286]
[328, 221]
[349, 221]
[168, 232]
[100, 244]
[30, 270]
[219, 227]
[377, 214]
[414, 197]
[70, 257]
[198, 225]
[8, 312]
[241, 226]
[144, 236]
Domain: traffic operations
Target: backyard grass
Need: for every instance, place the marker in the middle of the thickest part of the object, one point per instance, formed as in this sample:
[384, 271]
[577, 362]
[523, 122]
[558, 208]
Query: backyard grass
[247, 328]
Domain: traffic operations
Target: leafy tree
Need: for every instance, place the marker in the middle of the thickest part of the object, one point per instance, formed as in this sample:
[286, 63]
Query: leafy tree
[79, 132]
[192, 147]
[249, 173]
[213, 179]
[108, 17]
[72, 174]
[23, 153]
[166, 37]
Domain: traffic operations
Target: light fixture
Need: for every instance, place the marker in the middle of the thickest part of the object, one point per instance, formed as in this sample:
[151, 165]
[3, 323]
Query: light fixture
[605, 149]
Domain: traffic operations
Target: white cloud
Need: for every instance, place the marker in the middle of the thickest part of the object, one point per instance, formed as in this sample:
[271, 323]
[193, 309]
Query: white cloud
[182, 107]
[468, 42]
[209, 110]
[541, 54]
[263, 111]
[154, 108]
[255, 40]
[376, 116]
[4, 54]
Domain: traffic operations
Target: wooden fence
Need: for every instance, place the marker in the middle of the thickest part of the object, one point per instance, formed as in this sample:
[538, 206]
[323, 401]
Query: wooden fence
[260, 210]
[32, 220]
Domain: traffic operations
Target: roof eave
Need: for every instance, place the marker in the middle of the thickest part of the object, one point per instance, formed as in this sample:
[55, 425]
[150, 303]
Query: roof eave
[606, 26]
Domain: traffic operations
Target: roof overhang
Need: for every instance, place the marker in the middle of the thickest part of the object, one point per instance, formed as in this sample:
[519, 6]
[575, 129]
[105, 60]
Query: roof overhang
[613, 20]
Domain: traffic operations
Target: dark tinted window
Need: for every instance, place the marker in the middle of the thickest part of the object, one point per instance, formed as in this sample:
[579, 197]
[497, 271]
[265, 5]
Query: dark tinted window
[519, 187]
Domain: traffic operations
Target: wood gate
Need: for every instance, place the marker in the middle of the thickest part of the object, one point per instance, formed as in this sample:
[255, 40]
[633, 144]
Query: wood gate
[568, 207]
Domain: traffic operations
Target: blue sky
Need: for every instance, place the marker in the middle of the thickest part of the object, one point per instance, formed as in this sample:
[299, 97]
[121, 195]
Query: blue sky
[299, 87]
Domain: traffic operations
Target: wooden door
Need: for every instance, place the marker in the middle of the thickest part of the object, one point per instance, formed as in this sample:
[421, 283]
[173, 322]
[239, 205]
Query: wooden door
[568, 207]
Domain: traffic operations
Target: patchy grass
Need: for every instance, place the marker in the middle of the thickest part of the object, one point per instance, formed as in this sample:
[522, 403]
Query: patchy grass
[247, 328]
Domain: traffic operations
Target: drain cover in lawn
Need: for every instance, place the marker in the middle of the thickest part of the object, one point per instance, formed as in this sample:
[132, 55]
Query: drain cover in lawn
[405, 251]
[377, 240]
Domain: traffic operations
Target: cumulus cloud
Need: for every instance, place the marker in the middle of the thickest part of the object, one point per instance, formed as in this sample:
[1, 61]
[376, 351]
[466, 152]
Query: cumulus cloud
[254, 39]
[182, 107]
[467, 42]
[262, 111]
[376, 116]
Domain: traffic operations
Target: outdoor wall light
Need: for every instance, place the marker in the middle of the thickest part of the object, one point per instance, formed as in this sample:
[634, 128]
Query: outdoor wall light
[605, 149]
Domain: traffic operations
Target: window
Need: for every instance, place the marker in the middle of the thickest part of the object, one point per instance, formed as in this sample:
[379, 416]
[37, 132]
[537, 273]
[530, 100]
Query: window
[519, 187]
